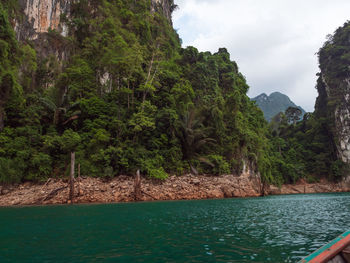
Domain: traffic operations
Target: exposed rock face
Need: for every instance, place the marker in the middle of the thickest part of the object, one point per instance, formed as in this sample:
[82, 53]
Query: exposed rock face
[163, 6]
[42, 16]
[342, 122]
[333, 102]
[337, 91]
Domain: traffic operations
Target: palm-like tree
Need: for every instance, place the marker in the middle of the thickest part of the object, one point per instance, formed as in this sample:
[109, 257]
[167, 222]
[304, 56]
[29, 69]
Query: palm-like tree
[6, 84]
[60, 107]
[193, 137]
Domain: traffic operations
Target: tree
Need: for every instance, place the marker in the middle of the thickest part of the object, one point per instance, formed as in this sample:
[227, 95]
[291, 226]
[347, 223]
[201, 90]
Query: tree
[58, 103]
[9, 60]
[293, 114]
[70, 140]
[193, 137]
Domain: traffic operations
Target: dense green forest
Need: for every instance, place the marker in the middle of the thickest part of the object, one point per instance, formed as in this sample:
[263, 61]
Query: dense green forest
[129, 97]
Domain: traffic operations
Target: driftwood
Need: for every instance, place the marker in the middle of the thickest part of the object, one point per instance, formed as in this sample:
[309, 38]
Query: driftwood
[47, 182]
[149, 195]
[53, 193]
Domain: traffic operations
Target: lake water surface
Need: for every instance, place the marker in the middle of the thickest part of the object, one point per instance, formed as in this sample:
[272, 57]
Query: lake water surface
[269, 229]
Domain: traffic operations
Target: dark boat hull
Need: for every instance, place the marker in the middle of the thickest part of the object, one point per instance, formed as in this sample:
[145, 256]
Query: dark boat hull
[336, 251]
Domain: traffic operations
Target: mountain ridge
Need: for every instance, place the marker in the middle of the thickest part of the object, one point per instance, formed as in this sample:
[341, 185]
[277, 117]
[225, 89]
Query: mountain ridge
[273, 104]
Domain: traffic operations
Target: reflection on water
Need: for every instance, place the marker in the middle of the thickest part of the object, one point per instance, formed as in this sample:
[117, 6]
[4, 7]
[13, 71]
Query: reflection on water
[269, 229]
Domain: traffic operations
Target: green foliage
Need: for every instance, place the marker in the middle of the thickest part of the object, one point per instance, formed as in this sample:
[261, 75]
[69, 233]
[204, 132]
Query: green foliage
[9, 171]
[218, 165]
[70, 140]
[157, 173]
[10, 90]
[28, 66]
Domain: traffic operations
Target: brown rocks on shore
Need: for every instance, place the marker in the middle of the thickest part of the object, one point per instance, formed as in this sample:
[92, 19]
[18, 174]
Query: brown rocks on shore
[121, 189]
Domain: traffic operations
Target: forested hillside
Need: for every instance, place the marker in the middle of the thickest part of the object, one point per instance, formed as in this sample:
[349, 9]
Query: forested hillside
[128, 97]
[119, 90]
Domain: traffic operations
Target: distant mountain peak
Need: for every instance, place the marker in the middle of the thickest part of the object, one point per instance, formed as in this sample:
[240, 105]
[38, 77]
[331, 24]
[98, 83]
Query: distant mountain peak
[274, 103]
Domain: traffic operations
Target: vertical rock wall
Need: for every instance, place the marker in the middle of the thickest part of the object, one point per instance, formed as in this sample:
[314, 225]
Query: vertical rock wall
[342, 122]
[333, 102]
[40, 16]
[163, 6]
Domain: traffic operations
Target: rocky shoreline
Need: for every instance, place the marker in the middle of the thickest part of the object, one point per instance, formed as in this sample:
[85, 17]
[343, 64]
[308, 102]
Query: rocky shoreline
[186, 187]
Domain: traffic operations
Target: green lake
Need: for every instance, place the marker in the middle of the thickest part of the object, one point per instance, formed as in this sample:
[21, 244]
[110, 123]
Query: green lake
[268, 229]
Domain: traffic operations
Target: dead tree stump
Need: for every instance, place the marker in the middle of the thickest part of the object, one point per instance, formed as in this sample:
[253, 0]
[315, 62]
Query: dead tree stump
[71, 183]
[137, 186]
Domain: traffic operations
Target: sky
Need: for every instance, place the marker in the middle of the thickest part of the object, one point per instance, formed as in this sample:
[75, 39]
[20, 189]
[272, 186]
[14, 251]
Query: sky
[274, 42]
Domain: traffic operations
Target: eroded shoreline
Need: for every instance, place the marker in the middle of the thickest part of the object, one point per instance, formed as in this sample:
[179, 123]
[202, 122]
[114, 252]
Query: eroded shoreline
[186, 187]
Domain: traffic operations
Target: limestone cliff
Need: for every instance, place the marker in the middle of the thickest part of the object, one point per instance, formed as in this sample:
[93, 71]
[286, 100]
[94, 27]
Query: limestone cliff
[342, 122]
[166, 7]
[333, 102]
[41, 16]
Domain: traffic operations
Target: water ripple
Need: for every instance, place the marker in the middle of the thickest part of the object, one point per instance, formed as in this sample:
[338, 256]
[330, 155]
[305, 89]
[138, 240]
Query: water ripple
[269, 229]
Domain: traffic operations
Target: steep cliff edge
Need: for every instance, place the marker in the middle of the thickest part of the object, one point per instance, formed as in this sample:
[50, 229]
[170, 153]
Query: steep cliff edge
[166, 7]
[333, 102]
[41, 16]
[44, 22]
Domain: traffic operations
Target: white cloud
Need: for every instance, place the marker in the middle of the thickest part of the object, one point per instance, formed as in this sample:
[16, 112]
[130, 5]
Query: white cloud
[273, 41]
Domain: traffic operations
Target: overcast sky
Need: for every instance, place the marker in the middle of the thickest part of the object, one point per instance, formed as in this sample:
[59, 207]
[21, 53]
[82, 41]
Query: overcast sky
[273, 41]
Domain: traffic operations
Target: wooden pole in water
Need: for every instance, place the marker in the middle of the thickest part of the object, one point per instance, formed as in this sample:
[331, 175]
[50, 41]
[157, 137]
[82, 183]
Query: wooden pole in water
[137, 186]
[72, 164]
[78, 190]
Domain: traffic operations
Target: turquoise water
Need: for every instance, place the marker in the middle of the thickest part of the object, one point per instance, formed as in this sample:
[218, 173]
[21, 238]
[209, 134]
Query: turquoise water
[269, 229]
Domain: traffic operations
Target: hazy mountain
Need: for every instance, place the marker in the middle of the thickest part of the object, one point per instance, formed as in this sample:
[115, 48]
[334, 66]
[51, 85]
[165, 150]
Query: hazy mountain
[273, 104]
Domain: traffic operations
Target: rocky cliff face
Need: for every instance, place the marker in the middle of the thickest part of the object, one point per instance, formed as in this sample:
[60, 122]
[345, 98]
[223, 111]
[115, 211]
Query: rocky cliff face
[163, 6]
[342, 120]
[333, 102]
[41, 16]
